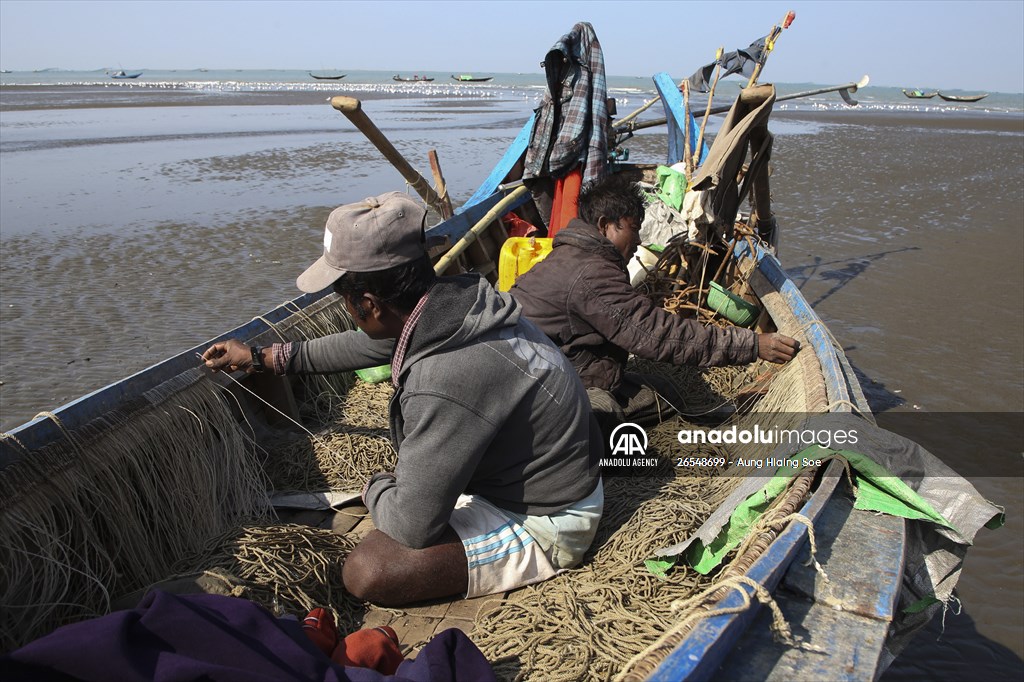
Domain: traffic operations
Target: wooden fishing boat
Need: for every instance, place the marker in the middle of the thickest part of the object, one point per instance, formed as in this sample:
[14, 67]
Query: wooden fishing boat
[963, 98]
[414, 79]
[470, 78]
[323, 77]
[185, 442]
[82, 430]
[919, 94]
[120, 75]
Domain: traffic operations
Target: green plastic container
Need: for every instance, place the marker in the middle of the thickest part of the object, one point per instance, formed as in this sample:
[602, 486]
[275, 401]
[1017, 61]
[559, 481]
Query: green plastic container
[730, 306]
[374, 375]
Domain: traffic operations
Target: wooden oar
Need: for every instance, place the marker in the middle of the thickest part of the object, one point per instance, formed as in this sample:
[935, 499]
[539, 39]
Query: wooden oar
[439, 185]
[353, 110]
[481, 225]
[844, 91]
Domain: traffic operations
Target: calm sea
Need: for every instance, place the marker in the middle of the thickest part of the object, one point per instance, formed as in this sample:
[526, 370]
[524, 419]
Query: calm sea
[211, 86]
[139, 218]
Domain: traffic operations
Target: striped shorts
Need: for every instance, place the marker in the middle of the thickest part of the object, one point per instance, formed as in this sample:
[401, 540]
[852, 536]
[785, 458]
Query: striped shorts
[505, 550]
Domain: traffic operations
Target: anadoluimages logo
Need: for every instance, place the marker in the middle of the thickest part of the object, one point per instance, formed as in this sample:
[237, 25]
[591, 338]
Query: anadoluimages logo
[627, 442]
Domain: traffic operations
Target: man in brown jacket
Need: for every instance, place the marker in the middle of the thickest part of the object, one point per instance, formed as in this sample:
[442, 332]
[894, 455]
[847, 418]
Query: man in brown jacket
[580, 296]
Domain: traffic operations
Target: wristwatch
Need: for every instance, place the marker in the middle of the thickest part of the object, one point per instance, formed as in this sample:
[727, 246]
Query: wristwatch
[257, 359]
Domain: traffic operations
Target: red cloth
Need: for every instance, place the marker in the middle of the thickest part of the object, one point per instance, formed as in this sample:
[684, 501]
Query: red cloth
[565, 205]
[517, 227]
[320, 628]
[374, 648]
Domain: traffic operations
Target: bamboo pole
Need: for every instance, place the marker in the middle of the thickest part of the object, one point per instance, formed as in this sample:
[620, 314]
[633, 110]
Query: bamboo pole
[481, 225]
[687, 156]
[707, 111]
[769, 44]
[629, 117]
[353, 110]
[844, 90]
[647, 105]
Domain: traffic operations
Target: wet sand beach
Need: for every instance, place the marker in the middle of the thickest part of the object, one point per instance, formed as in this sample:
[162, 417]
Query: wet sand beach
[130, 232]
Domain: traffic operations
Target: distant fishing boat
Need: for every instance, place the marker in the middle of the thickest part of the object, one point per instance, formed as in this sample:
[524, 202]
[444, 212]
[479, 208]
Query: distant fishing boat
[121, 75]
[963, 98]
[327, 78]
[470, 78]
[414, 79]
[919, 94]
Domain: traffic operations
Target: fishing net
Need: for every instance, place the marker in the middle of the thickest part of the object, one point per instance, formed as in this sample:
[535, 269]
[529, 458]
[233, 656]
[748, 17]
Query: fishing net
[289, 569]
[588, 623]
[108, 509]
[353, 444]
[112, 506]
[181, 487]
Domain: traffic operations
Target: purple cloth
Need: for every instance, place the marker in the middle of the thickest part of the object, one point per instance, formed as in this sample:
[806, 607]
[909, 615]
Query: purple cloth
[211, 637]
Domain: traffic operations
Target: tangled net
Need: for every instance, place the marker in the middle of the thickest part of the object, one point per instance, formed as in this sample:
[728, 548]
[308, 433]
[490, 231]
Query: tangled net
[287, 568]
[584, 624]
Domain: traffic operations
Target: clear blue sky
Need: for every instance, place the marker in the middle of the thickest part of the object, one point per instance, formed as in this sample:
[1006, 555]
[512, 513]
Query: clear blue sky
[934, 44]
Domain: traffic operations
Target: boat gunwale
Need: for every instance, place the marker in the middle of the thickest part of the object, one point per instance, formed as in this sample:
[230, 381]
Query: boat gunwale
[704, 649]
[42, 431]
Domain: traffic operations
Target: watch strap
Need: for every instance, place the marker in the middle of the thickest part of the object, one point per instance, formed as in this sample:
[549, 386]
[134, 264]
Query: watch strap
[258, 365]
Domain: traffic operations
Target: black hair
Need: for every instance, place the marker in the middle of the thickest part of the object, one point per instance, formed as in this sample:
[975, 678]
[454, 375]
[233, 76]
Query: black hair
[401, 286]
[612, 198]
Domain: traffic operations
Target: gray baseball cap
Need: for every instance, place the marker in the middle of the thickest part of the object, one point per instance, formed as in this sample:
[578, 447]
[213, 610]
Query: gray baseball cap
[376, 233]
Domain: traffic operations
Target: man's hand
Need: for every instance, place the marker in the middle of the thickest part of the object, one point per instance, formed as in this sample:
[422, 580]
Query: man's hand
[230, 355]
[777, 348]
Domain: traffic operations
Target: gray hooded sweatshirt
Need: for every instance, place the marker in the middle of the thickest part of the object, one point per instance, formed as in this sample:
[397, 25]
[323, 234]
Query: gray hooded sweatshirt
[486, 404]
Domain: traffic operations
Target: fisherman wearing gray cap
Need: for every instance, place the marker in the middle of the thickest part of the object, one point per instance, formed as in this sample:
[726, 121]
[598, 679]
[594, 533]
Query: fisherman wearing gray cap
[497, 483]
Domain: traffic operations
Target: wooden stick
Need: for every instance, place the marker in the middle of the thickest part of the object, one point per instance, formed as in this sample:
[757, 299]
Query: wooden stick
[725, 259]
[647, 105]
[439, 185]
[353, 110]
[707, 110]
[629, 117]
[686, 135]
[769, 44]
[845, 89]
[481, 225]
